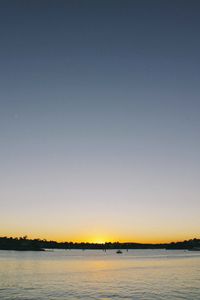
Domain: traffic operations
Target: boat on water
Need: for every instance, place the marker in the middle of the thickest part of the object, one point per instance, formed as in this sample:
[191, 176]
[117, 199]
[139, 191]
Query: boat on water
[119, 252]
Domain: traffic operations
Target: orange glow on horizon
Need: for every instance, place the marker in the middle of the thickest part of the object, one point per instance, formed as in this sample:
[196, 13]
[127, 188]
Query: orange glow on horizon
[101, 239]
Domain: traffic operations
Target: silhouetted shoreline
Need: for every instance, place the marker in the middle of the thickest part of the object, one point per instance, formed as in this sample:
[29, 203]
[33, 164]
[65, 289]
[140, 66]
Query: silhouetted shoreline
[25, 244]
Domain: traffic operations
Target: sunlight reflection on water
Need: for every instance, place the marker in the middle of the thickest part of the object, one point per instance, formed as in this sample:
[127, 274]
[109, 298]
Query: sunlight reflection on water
[75, 274]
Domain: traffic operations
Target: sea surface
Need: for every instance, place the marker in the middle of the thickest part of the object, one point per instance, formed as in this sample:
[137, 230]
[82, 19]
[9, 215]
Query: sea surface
[91, 274]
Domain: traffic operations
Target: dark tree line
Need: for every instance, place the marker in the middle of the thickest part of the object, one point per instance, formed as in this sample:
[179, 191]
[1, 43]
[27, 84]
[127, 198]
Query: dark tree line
[24, 244]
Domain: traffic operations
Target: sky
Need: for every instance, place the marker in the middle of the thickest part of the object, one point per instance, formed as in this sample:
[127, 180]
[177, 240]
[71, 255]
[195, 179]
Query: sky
[100, 120]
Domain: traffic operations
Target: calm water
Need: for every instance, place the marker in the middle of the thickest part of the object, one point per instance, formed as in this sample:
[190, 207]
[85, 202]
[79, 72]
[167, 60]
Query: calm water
[75, 274]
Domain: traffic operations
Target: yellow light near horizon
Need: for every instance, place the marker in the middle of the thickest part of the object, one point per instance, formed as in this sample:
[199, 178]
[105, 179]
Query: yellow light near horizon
[100, 238]
[97, 240]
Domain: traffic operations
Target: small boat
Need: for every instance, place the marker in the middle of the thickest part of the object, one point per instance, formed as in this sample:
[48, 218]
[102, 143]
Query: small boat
[119, 252]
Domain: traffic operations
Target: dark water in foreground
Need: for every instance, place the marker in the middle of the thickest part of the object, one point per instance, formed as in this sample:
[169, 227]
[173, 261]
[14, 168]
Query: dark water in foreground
[76, 274]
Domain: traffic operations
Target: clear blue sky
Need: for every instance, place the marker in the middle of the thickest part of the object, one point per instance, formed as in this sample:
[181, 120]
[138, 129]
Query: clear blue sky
[100, 119]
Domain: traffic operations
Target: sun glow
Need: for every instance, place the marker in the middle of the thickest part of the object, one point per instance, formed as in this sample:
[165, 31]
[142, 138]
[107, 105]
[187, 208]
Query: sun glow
[100, 238]
[97, 240]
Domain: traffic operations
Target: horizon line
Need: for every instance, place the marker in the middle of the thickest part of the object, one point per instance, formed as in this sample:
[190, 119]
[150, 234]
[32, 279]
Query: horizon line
[97, 243]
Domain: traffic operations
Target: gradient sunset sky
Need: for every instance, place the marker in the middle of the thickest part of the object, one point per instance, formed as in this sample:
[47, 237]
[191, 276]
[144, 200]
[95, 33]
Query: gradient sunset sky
[100, 119]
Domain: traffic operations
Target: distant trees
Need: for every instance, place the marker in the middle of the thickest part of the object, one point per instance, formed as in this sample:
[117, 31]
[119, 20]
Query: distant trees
[21, 243]
[24, 244]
